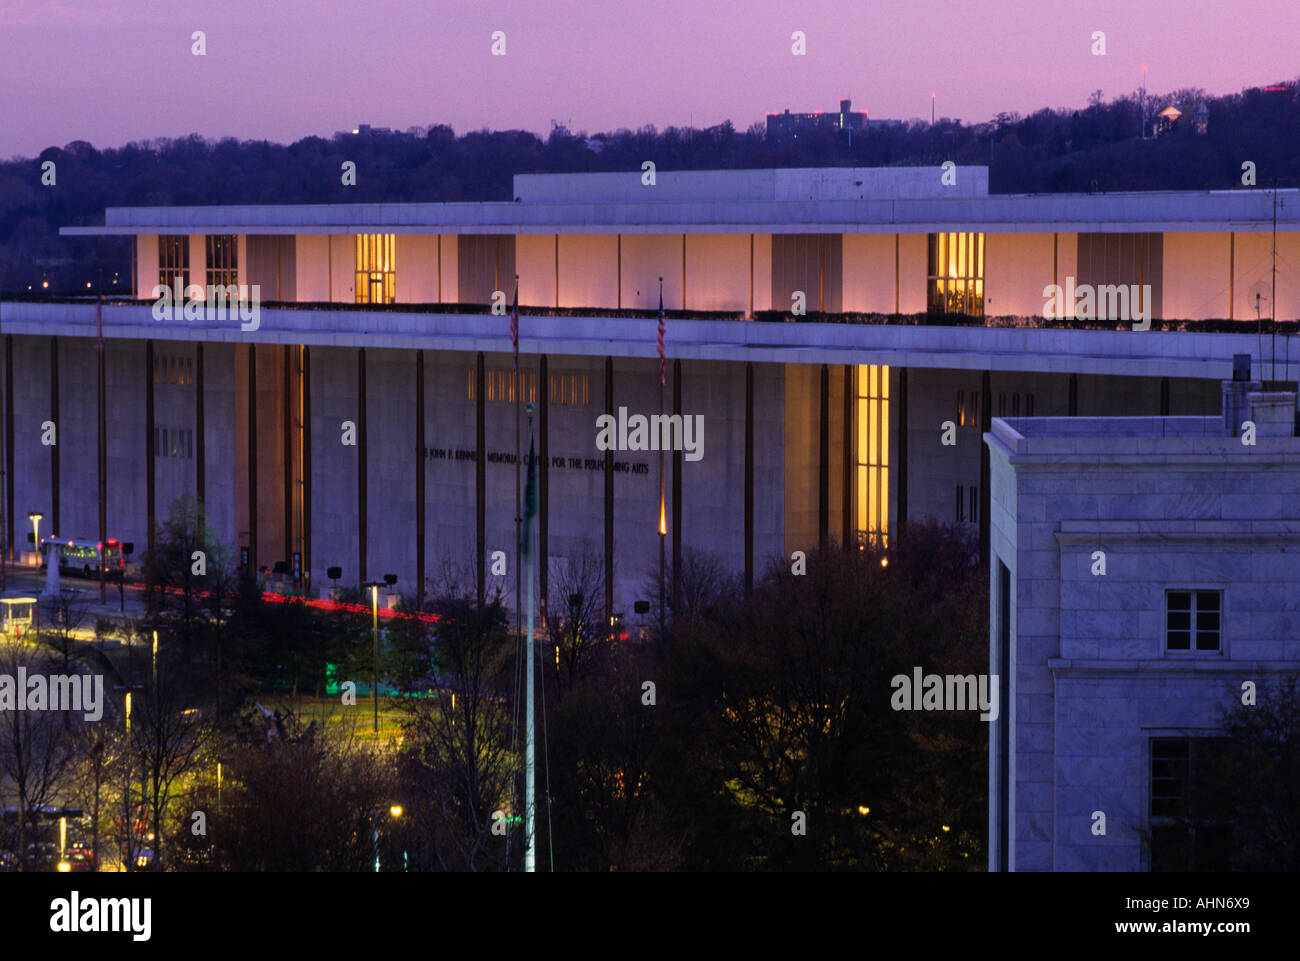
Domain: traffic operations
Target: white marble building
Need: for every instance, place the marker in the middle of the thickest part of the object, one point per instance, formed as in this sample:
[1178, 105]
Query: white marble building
[1112, 681]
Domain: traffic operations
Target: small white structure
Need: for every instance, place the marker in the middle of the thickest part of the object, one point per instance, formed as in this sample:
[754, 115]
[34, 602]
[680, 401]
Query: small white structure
[1142, 569]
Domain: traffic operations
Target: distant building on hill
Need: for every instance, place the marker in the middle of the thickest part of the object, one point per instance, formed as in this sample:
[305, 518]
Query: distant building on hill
[791, 125]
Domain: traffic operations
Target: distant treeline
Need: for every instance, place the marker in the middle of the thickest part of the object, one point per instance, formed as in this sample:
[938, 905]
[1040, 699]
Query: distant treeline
[1098, 148]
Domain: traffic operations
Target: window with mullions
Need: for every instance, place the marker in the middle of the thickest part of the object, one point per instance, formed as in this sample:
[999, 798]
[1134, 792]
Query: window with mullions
[871, 481]
[570, 390]
[223, 260]
[174, 262]
[376, 268]
[1193, 620]
[956, 274]
[1191, 810]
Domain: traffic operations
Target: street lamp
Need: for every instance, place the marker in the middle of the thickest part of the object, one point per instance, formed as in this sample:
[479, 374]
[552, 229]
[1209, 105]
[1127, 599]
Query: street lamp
[35, 518]
[374, 611]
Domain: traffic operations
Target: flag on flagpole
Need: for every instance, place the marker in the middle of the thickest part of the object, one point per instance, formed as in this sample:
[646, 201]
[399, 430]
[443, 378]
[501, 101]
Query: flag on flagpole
[662, 355]
[514, 327]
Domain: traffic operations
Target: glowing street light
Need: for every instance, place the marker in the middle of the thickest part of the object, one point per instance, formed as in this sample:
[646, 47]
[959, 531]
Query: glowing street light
[35, 518]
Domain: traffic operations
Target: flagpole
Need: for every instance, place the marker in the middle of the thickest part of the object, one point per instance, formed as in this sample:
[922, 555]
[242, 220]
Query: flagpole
[530, 804]
[663, 526]
[514, 340]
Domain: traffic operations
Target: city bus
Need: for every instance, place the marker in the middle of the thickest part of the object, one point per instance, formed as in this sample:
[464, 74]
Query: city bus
[82, 556]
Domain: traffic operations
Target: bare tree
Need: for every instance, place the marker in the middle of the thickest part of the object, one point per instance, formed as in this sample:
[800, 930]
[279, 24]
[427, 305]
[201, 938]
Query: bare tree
[167, 741]
[457, 757]
[35, 746]
[62, 618]
[574, 619]
[96, 752]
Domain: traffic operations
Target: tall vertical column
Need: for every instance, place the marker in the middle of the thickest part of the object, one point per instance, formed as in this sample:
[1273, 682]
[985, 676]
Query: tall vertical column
[305, 442]
[200, 422]
[252, 458]
[901, 472]
[609, 499]
[288, 449]
[150, 463]
[846, 486]
[824, 458]
[10, 531]
[102, 432]
[543, 483]
[362, 478]
[419, 478]
[1073, 399]
[677, 490]
[1164, 396]
[480, 475]
[56, 526]
[749, 478]
[986, 424]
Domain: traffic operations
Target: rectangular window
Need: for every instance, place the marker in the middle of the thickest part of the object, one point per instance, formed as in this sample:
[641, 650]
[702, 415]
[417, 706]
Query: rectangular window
[376, 268]
[223, 260]
[1002, 404]
[1029, 405]
[974, 505]
[961, 503]
[1191, 809]
[1015, 405]
[569, 390]
[1192, 620]
[961, 408]
[174, 262]
[975, 409]
[956, 274]
[872, 455]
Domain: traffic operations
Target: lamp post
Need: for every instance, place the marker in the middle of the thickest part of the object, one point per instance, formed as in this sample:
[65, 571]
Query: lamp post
[35, 518]
[374, 676]
[395, 811]
[389, 580]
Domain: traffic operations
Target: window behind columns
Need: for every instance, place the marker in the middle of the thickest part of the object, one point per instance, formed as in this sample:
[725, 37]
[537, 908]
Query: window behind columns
[871, 480]
[174, 262]
[1122, 259]
[956, 274]
[223, 260]
[376, 268]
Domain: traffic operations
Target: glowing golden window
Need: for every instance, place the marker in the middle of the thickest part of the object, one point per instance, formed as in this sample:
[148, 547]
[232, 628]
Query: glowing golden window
[871, 478]
[955, 283]
[376, 268]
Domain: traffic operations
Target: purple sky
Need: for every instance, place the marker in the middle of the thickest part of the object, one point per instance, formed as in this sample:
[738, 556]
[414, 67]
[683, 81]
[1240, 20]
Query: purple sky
[112, 71]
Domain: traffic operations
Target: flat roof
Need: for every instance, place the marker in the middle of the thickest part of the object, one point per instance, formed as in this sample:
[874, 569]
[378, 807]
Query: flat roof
[1153, 353]
[842, 200]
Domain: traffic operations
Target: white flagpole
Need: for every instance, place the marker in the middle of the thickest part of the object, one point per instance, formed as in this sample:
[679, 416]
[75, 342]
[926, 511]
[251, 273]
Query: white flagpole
[530, 836]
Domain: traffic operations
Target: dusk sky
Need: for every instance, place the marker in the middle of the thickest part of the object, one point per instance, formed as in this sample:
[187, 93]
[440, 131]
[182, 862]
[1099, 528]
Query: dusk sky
[110, 71]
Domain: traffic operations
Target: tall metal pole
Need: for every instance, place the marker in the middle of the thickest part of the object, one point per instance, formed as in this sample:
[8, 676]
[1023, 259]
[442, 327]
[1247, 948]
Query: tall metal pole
[374, 679]
[4, 523]
[530, 835]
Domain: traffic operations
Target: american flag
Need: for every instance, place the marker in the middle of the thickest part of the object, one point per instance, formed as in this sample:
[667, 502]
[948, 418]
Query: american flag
[514, 327]
[662, 355]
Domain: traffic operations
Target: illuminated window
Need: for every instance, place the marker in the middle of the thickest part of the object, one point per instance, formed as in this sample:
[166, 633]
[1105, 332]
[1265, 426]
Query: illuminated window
[570, 390]
[956, 274]
[872, 457]
[174, 262]
[376, 268]
[223, 260]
